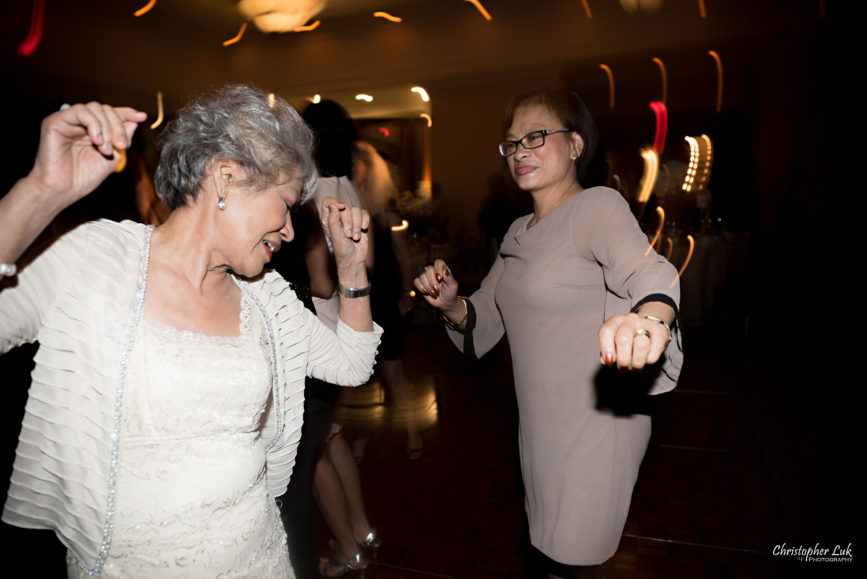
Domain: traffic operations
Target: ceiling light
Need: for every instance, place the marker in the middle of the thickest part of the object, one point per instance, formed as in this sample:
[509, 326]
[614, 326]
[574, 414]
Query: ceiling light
[280, 15]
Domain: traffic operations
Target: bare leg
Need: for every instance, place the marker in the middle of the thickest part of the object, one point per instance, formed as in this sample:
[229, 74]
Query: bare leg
[395, 380]
[347, 470]
[332, 501]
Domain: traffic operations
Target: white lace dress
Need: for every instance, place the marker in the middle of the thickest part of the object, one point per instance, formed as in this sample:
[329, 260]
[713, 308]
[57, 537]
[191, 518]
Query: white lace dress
[191, 494]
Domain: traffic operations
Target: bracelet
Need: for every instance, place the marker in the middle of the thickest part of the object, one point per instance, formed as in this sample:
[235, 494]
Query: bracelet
[660, 321]
[8, 269]
[457, 325]
[351, 292]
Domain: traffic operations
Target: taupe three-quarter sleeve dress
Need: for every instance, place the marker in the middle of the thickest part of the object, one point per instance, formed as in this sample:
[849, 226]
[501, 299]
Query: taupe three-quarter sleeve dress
[550, 290]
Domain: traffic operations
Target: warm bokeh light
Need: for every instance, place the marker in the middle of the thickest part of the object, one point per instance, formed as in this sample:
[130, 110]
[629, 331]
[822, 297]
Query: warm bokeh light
[145, 9]
[270, 100]
[237, 37]
[701, 11]
[610, 74]
[316, 98]
[121, 164]
[364, 97]
[648, 177]
[636, 6]
[280, 15]
[661, 213]
[700, 163]
[691, 241]
[34, 35]
[421, 92]
[586, 6]
[404, 225]
[719, 78]
[387, 16]
[661, 126]
[693, 164]
[480, 8]
[308, 27]
[159, 120]
[428, 118]
[661, 65]
[670, 245]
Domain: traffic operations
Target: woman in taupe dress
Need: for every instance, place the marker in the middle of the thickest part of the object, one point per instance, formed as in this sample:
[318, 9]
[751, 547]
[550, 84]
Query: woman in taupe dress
[580, 294]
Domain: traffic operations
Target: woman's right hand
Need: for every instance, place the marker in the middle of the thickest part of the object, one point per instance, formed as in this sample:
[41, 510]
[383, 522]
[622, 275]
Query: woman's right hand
[439, 287]
[78, 149]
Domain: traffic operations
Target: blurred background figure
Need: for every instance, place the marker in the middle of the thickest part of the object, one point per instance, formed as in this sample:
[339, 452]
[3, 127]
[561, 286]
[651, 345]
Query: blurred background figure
[392, 277]
[336, 482]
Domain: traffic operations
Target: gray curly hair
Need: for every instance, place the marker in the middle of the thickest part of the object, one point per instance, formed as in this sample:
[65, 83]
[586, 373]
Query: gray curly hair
[235, 123]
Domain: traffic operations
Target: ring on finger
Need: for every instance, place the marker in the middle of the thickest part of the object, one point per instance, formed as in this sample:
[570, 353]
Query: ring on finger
[643, 332]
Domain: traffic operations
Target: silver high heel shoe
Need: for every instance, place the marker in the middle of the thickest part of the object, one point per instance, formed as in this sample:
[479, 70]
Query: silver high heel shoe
[372, 541]
[357, 562]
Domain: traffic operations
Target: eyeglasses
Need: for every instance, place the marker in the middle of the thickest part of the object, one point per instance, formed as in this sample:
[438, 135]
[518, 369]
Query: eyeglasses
[532, 140]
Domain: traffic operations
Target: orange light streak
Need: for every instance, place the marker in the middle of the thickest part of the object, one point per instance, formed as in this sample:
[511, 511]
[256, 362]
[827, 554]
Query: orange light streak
[670, 249]
[661, 212]
[701, 11]
[309, 27]
[428, 118]
[121, 164]
[237, 37]
[480, 8]
[664, 79]
[688, 257]
[364, 97]
[421, 93]
[586, 6]
[387, 16]
[719, 79]
[404, 225]
[145, 9]
[610, 74]
[159, 120]
[648, 179]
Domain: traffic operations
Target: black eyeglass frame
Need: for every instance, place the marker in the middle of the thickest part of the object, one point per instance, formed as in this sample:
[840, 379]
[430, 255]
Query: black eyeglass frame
[543, 132]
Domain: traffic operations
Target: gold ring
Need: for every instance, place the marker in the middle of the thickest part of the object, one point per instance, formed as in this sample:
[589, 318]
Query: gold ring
[643, 332]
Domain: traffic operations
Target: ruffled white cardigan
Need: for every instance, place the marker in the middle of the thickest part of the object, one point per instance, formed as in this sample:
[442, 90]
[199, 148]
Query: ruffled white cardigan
[82, 299]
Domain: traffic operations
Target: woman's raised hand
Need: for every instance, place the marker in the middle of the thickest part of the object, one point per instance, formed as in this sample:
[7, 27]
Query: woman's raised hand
[78, 148]
[347, 229]
[438, 286]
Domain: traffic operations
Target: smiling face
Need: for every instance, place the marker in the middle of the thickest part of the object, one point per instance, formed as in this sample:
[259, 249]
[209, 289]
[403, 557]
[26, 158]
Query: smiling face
[256, 222]
[548, 166]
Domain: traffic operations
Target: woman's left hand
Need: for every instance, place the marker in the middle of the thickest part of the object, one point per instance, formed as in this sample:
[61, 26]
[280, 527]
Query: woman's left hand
[631, 341]
[346, 227]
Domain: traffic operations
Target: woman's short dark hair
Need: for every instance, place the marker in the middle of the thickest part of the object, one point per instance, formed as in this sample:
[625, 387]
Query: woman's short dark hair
[270, 142]
[567, 106]
[335, 134]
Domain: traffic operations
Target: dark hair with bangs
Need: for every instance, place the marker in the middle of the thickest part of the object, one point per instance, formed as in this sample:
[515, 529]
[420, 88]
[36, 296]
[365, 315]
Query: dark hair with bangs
[234, 123]
[567, 106]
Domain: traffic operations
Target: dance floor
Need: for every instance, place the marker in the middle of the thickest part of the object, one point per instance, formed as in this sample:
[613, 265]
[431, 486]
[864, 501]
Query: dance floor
[706, 503]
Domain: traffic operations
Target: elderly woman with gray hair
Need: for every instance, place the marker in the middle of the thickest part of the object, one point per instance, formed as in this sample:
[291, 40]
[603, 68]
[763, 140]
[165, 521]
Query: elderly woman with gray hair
[165, 406]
